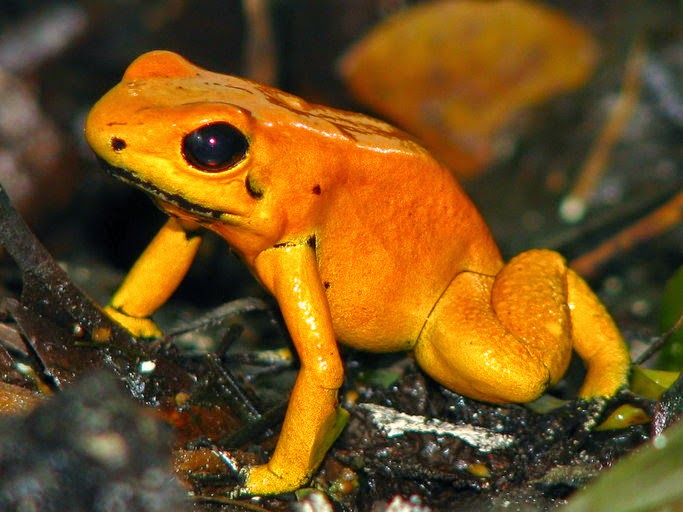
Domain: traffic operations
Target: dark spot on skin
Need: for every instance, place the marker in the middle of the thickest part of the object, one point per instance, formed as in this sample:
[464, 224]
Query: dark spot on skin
[118, 144]
[237, 87]
[348, 124]
[253, 190]
[326, 284]
[311, 242]
[285, 244]
[317, 190]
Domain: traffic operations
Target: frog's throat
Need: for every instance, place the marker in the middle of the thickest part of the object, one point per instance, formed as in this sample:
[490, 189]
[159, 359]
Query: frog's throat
[129, 177]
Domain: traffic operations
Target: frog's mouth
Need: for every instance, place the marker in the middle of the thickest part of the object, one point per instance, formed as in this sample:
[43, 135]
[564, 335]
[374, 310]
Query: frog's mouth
[128, 177]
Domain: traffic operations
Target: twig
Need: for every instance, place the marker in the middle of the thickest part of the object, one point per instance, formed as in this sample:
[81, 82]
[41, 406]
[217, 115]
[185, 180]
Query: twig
[217, 316]
[259, 53]
[666, 217]
[573, 207]
[657, 343]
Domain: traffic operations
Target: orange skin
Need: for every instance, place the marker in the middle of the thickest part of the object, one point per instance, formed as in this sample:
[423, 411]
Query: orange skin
[361, 236]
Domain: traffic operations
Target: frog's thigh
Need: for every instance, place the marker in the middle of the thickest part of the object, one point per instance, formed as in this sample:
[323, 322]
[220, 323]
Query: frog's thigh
[502, 339]
[597, 341]
[529, 297]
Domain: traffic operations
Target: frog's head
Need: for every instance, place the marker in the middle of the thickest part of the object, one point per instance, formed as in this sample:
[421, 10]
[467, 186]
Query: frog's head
[184, 135]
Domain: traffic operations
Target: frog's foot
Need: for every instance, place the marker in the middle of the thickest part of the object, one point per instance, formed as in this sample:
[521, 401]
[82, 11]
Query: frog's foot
[262, 480]
[594, 409]
[140, 327]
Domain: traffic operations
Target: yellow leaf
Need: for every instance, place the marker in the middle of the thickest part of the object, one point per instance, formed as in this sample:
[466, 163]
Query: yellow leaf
[456, 72]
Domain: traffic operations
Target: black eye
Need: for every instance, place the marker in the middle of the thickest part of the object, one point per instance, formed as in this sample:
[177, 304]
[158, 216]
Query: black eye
[215, 147]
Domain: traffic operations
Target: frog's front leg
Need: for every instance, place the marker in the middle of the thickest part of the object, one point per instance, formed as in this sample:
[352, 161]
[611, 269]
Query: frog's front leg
[311, 423]
[154, 277]
[505, 338]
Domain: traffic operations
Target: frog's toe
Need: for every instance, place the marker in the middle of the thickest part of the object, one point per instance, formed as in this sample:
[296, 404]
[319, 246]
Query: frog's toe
[140, 327]
[262, 480]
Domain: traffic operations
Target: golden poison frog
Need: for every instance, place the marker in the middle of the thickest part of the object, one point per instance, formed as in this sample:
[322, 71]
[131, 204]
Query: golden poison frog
[361, 236]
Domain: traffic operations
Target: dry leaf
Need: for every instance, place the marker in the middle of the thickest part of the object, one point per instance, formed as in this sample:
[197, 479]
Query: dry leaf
[455, 73]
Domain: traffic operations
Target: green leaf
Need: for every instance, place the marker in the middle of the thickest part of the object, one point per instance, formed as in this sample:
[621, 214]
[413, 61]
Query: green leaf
[651, 383]
[671, 355]
[648, 480]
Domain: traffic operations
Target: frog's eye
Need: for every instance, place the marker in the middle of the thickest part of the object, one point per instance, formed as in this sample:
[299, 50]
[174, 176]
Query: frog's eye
[215, 147]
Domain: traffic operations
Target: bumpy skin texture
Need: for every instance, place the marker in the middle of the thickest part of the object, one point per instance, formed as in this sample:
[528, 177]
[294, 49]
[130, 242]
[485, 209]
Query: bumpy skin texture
[361, 236]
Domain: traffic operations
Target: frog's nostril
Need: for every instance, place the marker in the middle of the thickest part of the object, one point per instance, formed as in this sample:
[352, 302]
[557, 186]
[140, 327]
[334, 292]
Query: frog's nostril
[118, 144]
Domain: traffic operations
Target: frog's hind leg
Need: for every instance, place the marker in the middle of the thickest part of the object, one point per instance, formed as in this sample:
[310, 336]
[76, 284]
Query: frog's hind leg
[503, 338]
[597, 341]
